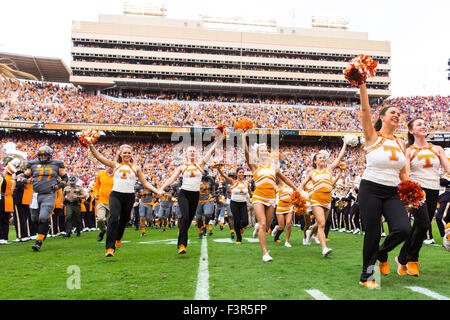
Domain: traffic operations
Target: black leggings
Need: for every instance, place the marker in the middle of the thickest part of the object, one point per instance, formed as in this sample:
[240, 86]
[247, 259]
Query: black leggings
[187, 203]
[422, 223]
[120, 206]
[376, 200]
[240, 217]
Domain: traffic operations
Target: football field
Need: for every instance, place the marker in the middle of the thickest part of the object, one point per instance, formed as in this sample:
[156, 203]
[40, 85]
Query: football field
[215, 268]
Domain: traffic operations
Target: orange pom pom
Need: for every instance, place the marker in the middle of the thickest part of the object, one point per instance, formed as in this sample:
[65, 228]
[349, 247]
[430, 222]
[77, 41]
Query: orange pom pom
[411, 194]
[299, 203]
[359, 69]
[88, 137]
[244, 124]
[222, 129]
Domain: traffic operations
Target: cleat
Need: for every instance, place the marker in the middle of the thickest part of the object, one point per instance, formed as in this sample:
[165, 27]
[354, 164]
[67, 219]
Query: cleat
[37, 245]
[384, 268]
[181, 249]
[413, 268]
[118, 243]
[326, 252]
[238, 242]
[370, 284]
[401, 268]
[200, 235]
[109, 253]
[143, 234]
[100, 236]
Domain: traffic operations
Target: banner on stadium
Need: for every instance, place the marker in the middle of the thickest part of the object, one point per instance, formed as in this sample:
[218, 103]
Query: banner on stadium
[101, 127]
[231, 130]
[20, 124]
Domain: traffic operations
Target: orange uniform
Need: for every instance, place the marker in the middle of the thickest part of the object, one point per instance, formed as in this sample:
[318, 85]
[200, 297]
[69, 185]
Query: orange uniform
[103, 186]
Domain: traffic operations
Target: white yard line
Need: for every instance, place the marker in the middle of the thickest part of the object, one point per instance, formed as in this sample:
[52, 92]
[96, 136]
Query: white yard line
[318, 295]
[428, 293]
[202, 292]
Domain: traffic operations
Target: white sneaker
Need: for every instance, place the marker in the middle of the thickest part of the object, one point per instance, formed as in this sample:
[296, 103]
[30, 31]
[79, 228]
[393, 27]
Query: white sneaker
[316, 239]
[308, 237]
[26, 239]
[255, 232]
[267, 257]
[383, 235]
[428, 241]
[17, 240]
[326, 252]
[287, 244]
[342, 230]
[33, 237]
[274, 231]
[3, 241]
[305, 242]
[356, 231]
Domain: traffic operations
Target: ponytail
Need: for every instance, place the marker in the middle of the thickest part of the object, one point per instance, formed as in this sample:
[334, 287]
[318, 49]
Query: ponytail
[378, 124]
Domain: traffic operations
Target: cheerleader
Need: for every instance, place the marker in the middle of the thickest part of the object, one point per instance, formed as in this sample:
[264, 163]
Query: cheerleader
[307, 215]
[265, 175]
[385, 167]
[283, 213]
[192, 172]
[122, 196]
[422, 165]
[240, 190]
[322, 185]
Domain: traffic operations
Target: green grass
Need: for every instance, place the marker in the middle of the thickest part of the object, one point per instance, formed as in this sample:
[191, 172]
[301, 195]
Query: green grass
[142, 271]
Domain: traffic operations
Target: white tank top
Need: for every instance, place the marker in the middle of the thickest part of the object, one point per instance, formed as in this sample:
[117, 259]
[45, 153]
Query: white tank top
[124, 179]
[384, 160]
[425, 165]
[239, 192]
[192, 177]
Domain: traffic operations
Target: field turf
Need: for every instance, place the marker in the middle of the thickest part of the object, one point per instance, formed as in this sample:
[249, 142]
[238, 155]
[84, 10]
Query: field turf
[149, 268]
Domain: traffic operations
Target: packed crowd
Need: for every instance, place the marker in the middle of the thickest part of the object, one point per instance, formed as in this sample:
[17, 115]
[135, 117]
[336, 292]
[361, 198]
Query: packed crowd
[158, 160]
[54, 103]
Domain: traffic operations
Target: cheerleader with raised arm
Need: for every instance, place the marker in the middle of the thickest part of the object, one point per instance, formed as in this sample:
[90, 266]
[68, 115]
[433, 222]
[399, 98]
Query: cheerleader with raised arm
[192, 172]
[265, 174]
[121, 199]
[378, 192]
[320, 198]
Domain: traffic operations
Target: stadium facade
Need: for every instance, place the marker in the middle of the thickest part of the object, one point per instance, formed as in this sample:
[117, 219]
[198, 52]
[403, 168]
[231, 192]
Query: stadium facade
[163, 54]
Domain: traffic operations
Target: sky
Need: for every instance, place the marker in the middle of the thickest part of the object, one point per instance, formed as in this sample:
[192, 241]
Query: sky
[419, 31]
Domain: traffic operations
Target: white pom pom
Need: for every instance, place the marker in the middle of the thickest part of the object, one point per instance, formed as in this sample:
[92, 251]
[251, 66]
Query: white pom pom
[351, 140]
[9, 147]
[325, 154]
[362, 140]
